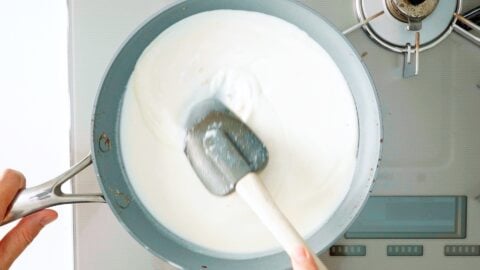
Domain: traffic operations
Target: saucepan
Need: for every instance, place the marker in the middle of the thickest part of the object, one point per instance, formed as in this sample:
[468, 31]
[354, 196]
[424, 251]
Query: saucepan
[106, 152]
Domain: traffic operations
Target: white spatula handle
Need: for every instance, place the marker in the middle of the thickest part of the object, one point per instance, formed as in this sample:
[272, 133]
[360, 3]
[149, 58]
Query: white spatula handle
[254, 193]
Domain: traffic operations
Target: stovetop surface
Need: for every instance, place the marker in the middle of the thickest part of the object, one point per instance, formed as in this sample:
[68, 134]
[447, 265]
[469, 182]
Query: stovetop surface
[431, 144]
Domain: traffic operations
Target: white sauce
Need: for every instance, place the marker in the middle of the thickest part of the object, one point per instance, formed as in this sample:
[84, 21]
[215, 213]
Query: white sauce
[278, 80]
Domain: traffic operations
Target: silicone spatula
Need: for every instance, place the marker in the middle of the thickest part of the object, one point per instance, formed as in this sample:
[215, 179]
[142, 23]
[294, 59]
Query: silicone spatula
[227, 155]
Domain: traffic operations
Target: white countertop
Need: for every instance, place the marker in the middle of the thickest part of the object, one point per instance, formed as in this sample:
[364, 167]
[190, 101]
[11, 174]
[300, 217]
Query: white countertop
[34, 115]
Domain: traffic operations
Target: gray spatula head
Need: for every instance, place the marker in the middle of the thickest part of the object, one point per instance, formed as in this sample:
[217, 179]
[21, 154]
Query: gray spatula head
[221, 148]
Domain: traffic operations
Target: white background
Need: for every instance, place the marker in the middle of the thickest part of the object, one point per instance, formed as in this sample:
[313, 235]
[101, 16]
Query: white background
[35, 114]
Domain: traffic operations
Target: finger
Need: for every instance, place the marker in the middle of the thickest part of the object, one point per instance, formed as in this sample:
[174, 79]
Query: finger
[302, 259]
[22, 235]
[10, 183]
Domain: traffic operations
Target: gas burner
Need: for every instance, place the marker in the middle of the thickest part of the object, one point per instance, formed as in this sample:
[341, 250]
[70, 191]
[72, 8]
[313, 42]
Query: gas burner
[411, 26]
[432, 19]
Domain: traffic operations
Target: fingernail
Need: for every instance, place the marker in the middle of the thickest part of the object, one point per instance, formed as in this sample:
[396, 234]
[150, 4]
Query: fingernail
[46, 220]
[300, 254]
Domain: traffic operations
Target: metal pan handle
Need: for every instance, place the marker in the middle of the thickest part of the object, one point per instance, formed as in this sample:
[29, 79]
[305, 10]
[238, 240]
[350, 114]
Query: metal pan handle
[48, 194]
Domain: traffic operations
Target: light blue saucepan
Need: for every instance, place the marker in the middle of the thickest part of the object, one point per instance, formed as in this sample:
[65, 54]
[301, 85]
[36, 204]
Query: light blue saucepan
[108, 161]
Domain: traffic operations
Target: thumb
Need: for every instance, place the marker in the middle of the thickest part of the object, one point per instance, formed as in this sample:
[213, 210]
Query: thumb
[13, 244]
[302, 259]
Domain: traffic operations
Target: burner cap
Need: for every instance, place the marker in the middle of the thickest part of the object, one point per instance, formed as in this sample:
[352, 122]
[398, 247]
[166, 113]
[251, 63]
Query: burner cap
[411, 10]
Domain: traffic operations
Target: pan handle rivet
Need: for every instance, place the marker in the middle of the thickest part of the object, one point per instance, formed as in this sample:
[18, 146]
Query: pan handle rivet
[104, 143]
[122, 200]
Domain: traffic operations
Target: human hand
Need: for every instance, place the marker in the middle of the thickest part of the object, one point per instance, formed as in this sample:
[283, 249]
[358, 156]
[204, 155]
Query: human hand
[302, 259]
[15, 241]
